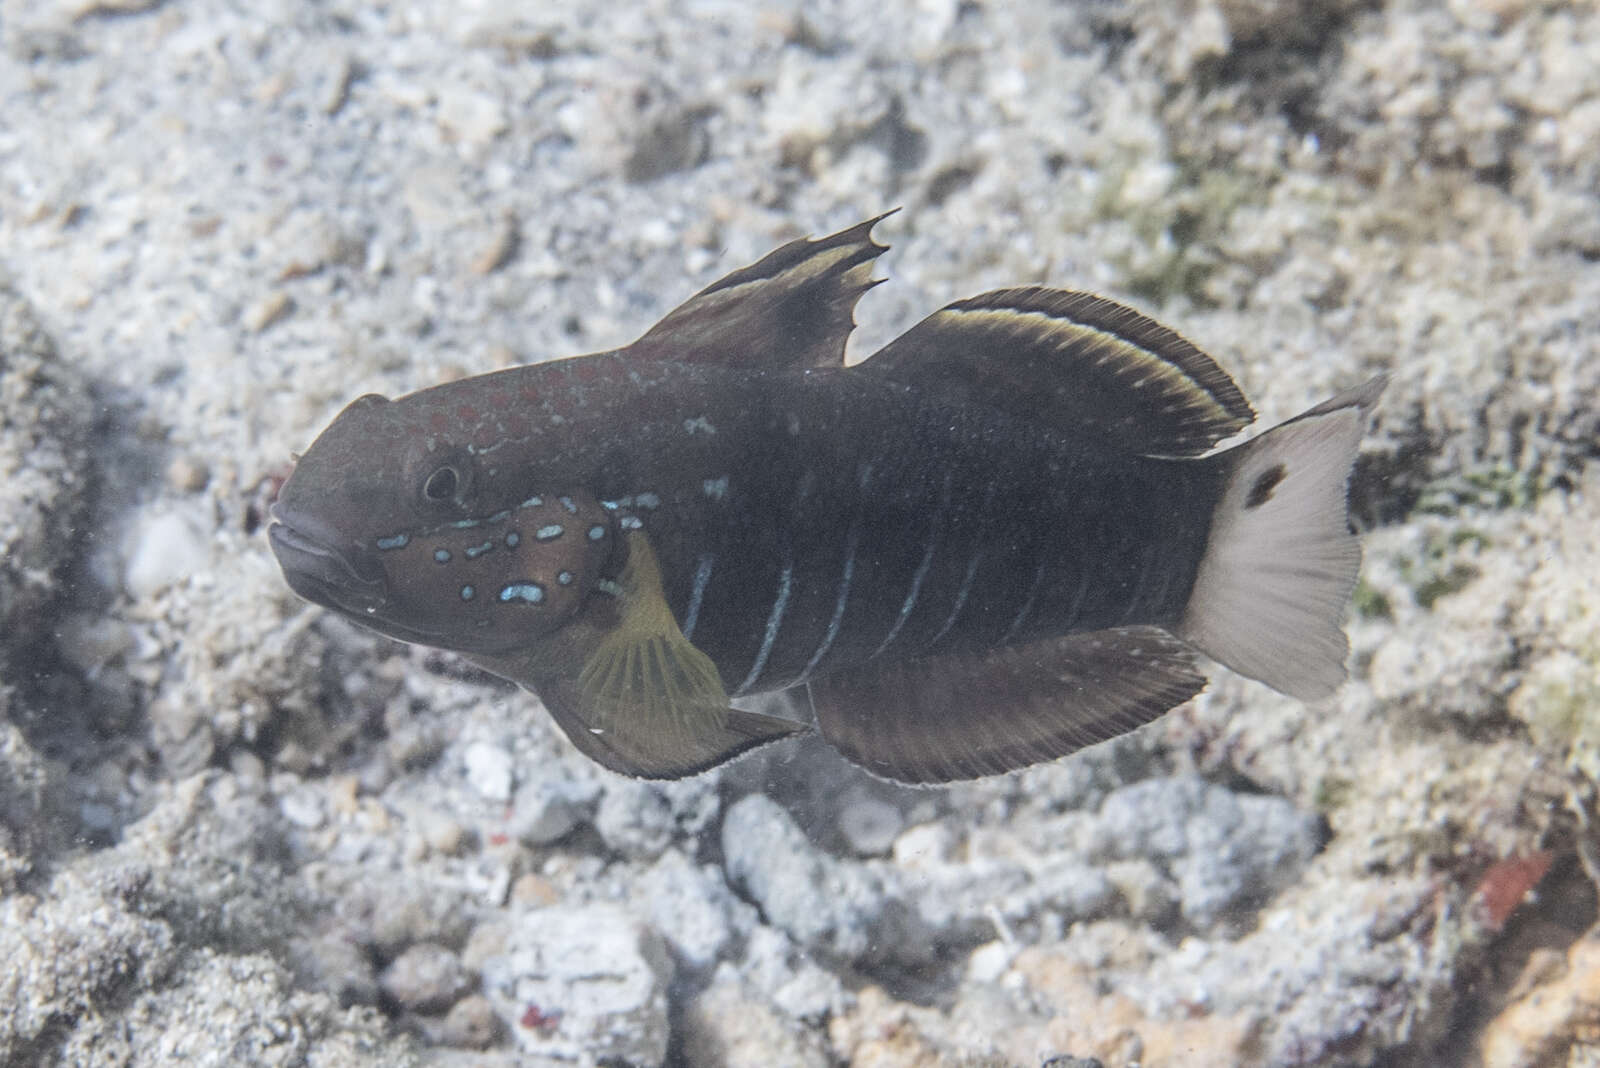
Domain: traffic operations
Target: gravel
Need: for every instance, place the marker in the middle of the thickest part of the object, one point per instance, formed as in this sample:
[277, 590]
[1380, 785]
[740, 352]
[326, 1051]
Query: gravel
[234, 829]
[583, 984]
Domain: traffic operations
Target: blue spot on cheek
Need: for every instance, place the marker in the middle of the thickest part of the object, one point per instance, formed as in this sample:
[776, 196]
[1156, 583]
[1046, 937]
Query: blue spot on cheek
[394, 541]
[441, 556]
[513, 539]
[565, 578]
[526, 592]
[475, 551]
[549, 533]
[532, 502]
[467, 592]
[596, 532]
[631, 522]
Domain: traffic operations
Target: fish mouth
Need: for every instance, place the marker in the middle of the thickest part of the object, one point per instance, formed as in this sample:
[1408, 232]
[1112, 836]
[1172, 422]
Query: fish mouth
[350, 582]
[326, 575]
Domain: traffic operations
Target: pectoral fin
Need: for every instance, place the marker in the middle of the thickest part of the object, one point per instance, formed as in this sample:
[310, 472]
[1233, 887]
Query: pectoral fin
[630, 745]
[633, 693]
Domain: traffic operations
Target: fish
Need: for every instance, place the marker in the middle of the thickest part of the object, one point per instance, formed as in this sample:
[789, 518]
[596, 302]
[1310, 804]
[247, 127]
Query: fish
[1007, 535]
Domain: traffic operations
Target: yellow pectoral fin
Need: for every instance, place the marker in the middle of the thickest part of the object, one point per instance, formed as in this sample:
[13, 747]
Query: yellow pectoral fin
[646, 701]
[644, 673]
[633, 749]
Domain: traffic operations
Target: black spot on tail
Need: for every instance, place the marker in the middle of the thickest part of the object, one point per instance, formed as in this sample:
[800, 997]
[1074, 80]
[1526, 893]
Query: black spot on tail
[1266, 482]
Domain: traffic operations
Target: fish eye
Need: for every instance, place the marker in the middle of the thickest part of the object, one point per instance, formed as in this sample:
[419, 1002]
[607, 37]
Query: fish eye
[441, 485]
[444, 479]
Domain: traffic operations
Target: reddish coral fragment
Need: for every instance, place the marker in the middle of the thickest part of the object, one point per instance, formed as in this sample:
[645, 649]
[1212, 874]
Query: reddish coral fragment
[1506, 883]
[535, 1019]
[259, 501]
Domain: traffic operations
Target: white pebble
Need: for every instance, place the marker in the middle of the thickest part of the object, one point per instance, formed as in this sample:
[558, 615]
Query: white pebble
[922, 846]
[489, 770]
[870, 826]
[443, 834]
[303, 807]
[164, 550]
[472, 117]
[989, 962]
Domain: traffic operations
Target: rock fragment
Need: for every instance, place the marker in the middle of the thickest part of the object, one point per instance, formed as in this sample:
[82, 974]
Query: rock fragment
[639, 820]
[427, 977]
[841, 910]
[1555, 1022]
[471, 1023]
[693, 908]
[45, 420]
[583, 982]
[547, 808]
[1224, 850]
[727, 1024]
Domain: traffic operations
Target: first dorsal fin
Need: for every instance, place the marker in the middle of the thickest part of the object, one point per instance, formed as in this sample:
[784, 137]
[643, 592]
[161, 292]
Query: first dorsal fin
[1072, 361]
[792, 309]
[965, 716]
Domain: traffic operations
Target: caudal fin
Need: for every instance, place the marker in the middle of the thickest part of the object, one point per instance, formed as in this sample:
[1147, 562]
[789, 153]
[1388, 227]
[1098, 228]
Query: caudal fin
[1270, 596]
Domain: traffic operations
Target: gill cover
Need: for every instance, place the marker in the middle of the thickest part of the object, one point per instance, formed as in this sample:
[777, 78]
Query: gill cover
[499, 581]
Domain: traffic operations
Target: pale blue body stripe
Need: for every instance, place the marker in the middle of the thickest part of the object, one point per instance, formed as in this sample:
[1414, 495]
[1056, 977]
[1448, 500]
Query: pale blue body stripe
[921, 572]
[851, 541]
[1077, 600]
[774, 620]
[1146, 572]
[702, 578]
[972, 568]
[838, 605]
[961, 598]
[1027, 605]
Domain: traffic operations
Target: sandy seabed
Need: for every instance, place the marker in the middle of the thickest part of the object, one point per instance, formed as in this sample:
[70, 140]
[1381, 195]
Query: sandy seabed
[235, 830]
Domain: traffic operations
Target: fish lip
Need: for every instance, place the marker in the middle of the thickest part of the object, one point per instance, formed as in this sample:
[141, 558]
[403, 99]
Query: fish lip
[323, 573]
[328, 577]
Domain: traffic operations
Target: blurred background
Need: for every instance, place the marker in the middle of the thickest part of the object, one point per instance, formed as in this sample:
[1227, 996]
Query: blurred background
[234, 829]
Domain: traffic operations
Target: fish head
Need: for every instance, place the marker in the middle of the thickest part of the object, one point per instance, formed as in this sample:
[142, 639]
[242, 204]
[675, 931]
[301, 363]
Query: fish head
[394, 524]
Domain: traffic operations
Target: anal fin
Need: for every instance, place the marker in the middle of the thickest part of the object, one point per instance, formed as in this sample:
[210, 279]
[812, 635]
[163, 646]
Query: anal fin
[962, 717]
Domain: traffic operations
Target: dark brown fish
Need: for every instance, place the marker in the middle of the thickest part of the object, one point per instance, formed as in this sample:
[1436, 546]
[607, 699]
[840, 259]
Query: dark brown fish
[997, 540]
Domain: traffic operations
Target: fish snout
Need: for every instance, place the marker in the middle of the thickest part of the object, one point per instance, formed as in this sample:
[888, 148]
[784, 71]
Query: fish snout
[320, 570]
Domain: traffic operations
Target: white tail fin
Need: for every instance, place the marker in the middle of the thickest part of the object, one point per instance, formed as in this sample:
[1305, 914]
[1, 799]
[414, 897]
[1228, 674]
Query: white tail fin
[1270, 596]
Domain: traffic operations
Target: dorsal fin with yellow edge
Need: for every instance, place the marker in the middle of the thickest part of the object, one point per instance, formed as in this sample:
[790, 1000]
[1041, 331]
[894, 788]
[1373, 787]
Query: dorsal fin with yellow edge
[1075, 362]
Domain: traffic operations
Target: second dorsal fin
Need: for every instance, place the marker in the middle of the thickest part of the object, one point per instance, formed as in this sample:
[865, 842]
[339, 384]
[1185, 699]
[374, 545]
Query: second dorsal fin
[1074, 362]
[792, 309]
